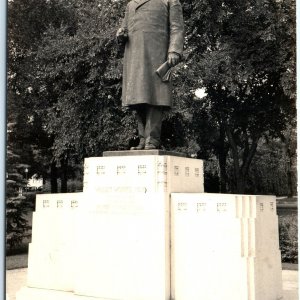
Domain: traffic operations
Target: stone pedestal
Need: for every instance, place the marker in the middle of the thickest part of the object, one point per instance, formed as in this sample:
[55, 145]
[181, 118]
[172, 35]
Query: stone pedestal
[125, 243]
[51, 252]
[225, 247]
[143, 173]
[143, 229]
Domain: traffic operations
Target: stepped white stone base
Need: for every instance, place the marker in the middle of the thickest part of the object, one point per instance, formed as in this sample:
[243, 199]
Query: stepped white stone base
[147, 173]
[112, 245]
[124, 247]
[225, 247]
[52, 257]
[134, 234]
[44, 294]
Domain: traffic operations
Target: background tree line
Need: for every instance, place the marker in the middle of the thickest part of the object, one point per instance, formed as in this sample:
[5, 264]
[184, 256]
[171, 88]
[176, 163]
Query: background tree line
[64, 90]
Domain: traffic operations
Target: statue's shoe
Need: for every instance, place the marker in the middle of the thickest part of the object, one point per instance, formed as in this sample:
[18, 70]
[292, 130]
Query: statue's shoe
[140, 146]
[150, 146]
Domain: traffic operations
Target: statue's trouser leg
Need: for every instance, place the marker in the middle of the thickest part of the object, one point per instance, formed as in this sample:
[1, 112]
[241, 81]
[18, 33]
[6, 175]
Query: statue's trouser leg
[149, 119]
[141, 119]
[154, 116]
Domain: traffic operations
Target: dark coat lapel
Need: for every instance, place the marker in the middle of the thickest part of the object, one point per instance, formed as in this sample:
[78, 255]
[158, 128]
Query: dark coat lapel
[139, 3]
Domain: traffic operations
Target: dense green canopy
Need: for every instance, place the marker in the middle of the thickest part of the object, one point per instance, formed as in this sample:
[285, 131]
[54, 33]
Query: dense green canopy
[65, 83]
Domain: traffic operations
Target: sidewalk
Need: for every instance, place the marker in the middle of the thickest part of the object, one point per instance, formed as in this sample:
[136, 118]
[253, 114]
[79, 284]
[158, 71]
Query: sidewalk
[15, 279]
[290, 285]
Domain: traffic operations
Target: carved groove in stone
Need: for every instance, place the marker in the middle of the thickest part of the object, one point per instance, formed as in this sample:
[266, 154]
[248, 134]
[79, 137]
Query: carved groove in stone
[100, 170]
[201, 207]
[182, 206]
[221, 207]
[162, 168]
[121, 170]
[261, 206]
[59, 203]
[187, 171]
[74, 203]
[46, 203]
[163, 184]
[142, 169]
[86, 169]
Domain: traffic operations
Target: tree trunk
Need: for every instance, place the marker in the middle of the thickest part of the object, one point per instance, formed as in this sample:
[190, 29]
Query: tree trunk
[223, 175]
[241, 172]
[64, 175]
[236, 161]
[53, 176]
[240, 184]
[289, 174]
[222, 161]
[290, 151]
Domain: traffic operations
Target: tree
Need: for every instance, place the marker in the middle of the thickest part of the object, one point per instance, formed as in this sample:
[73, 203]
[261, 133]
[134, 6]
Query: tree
[290, 151]
[16, 205]
[234, 49]
[79, 76]
[268, 174]
[25, 31]
[241, 52]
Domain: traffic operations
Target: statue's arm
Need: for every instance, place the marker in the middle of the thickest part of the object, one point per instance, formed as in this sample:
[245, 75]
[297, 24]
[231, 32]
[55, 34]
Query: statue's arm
[122, 33]
[176, 28]
[125, 19]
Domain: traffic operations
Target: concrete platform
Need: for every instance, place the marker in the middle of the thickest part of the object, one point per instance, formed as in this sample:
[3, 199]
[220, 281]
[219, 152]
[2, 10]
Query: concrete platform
[16, 279]
[143, 152]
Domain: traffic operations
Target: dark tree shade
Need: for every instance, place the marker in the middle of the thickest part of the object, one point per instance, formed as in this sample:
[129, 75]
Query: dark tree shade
[65, 82]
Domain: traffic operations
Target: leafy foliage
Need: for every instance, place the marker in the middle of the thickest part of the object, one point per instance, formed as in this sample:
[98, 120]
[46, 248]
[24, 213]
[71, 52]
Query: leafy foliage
[79, 77]
[234, 49]
[65, 82]
[271, 171]
[16, 204]
[25, 31]
[288, 238]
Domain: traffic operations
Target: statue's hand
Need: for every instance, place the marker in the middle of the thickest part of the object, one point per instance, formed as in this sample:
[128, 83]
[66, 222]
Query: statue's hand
[122, 35]
[173, 59]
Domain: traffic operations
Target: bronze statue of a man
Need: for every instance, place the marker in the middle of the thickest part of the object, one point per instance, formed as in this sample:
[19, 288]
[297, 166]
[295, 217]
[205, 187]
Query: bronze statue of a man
[152, 31]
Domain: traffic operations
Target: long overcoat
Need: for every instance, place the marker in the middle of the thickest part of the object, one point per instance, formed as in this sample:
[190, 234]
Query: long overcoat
[155, 28]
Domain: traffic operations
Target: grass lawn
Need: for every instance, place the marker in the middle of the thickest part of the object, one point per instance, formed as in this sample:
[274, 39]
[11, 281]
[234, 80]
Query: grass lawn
[16, 261]
[292, 267]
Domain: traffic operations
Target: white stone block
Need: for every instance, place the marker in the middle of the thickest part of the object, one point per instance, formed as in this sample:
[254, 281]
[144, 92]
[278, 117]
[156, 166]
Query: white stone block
[116, 239]
[44, 294]
[51, 267]
[51, 260]
[147, 173]
[124, 247]
[224, 247]
[63, 201]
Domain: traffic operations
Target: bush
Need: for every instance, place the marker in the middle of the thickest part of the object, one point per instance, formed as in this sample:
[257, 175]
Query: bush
[75, 186]
[288, 238]
[17, 228]
[30, 199]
